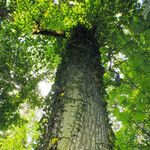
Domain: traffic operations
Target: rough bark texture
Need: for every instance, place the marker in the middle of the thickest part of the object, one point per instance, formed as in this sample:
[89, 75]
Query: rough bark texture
[78, 118]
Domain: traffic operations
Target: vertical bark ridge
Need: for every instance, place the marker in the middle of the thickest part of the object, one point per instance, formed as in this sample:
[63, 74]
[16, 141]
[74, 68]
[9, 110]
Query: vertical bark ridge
[78, 114]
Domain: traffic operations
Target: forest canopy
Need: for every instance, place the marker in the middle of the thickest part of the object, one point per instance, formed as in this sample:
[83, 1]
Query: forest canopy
[33, 39]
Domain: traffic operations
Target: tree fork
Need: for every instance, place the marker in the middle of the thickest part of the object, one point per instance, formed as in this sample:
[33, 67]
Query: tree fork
[78, 118]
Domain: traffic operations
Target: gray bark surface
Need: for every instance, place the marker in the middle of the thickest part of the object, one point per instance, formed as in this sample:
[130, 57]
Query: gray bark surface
[78, 118]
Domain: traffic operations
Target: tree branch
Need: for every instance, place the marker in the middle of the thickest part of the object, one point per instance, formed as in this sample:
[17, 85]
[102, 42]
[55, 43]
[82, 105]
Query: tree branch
[132, 83]
[50, 32]
[143, 130]
[4, 13]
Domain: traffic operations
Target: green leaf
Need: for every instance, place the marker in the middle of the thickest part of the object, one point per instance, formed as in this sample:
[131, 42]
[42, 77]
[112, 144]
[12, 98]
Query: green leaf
[124, 117]
[139, 116]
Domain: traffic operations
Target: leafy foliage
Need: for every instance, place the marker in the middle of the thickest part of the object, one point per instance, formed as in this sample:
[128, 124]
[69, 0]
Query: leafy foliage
[21, 137]
[22, 66]
[122, 29]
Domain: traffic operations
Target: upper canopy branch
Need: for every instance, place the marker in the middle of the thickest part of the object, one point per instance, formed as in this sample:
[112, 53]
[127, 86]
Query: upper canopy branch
[4, 13]
[50, 32]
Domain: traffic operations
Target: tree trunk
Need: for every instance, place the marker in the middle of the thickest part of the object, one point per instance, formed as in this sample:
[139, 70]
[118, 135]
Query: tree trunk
[78, 118]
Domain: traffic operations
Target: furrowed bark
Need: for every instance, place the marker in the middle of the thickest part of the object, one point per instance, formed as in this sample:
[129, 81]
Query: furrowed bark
[78, 119]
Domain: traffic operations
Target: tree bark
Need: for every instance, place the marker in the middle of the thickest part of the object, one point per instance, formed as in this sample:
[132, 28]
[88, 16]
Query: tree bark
[78, 119]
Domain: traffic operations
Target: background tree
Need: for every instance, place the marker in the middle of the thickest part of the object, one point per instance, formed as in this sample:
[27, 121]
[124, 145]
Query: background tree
[118, 25]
